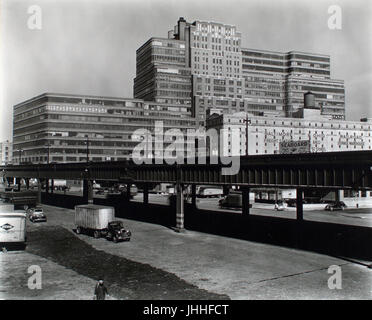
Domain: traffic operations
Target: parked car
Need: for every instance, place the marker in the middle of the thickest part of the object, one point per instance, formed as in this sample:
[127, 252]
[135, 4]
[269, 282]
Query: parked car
[338, 205]
[279, 206]
[36, 215]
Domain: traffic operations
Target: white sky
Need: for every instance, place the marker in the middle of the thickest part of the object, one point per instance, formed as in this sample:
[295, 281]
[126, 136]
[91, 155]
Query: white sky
[89, 47]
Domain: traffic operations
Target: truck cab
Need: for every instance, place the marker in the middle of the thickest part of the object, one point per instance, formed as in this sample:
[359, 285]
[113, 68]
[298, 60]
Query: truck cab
[117, 232]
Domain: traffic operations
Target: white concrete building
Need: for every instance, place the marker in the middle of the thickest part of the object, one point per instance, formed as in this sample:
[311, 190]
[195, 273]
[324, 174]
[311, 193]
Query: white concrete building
[266, 135]
[6, 151]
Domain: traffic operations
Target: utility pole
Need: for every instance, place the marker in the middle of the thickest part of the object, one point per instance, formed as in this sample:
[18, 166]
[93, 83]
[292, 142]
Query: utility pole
[247, 122]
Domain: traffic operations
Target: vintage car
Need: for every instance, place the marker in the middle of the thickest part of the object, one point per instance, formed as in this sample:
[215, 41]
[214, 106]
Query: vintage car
[116, 232]
[337, 205]
[36, 215]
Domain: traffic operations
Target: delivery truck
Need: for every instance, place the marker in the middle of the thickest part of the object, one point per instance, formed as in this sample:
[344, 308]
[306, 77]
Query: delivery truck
[12, 227]
[209, 192]
[100, 222]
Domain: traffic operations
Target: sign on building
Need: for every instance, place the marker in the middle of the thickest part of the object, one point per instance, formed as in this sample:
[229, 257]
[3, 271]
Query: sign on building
[301, 146]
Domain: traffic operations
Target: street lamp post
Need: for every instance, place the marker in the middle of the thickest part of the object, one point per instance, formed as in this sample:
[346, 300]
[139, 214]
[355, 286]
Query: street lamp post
[247, 122]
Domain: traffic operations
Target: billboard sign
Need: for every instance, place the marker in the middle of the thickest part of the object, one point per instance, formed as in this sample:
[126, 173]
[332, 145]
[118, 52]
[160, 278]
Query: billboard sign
[289, 147]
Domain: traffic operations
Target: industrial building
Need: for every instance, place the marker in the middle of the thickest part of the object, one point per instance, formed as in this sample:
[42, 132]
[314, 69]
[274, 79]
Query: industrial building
[315, 132]
[73, 128]
[209, 57]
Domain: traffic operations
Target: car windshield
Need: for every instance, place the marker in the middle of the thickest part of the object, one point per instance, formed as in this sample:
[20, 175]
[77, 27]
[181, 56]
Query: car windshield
[116, 225]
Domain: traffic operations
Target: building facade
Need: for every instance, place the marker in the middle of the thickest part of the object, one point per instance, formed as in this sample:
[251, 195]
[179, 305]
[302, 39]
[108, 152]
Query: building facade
[162, 75]
[227, 76]
[267, 134]
[74, 128]
[6, 152]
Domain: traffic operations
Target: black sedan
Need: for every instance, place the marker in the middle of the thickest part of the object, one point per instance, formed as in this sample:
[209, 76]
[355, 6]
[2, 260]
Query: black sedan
[338, 205]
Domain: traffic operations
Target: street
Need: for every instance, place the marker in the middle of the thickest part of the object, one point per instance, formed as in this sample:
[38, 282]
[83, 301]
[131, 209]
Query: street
[158, 263]
[350, 216]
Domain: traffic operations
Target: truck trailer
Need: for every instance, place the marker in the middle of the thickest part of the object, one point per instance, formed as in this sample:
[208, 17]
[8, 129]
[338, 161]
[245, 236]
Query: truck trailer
[100, 221]
[12, 227]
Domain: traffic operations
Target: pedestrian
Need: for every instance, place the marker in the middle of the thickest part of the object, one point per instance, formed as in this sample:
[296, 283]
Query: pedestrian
[100, 291]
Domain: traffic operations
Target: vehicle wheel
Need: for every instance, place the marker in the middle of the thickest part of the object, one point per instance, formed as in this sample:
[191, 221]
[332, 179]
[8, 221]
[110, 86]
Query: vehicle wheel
[78, 230]
[96, 234]
[115, 239]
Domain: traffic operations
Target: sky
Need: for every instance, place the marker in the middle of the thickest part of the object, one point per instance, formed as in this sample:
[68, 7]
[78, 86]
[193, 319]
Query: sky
[89, 47]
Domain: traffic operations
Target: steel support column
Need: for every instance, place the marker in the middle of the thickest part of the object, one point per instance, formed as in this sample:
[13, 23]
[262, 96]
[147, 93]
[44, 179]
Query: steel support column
[145, 193]
[245, 201]
[88, 191]
[193, 195]
[38, 191]
[179, 208]
[128, 191]
[299, 204]
[226, 190]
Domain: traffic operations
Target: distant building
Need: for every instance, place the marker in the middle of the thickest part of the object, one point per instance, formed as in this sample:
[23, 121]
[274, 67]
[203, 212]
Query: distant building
[265, 134]
[202, 65]
[56, 127]
[6, 152]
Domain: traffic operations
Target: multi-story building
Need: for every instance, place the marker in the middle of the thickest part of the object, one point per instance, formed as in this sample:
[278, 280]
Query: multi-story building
[234, 79]
[162, 75]
[267, 134]
[71, 128]
[6, 151]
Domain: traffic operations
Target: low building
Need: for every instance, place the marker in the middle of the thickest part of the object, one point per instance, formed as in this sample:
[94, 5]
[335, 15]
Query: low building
[267, 135]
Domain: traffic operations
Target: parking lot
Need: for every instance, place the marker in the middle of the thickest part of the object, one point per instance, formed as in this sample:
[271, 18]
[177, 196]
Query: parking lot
[160, 264]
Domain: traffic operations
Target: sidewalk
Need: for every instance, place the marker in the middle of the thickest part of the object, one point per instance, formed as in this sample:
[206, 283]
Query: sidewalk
[351, 204]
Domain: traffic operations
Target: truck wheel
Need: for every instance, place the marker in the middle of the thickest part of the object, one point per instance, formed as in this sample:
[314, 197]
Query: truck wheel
[115, 239]
[78, 230]
[96, 234]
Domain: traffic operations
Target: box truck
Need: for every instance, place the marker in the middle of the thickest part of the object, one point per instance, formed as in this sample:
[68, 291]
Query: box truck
[209, 192]
[12, 227]
[100, 221]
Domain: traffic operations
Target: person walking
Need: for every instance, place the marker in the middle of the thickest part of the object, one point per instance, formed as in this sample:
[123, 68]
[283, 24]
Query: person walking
[100, 291]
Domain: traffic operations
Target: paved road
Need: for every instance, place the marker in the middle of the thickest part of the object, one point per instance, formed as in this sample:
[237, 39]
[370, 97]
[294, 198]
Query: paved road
[350, 216]
[238, 268]
[358, 217]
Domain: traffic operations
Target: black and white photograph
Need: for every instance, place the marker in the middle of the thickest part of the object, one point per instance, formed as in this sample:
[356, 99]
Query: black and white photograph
[185, 154]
